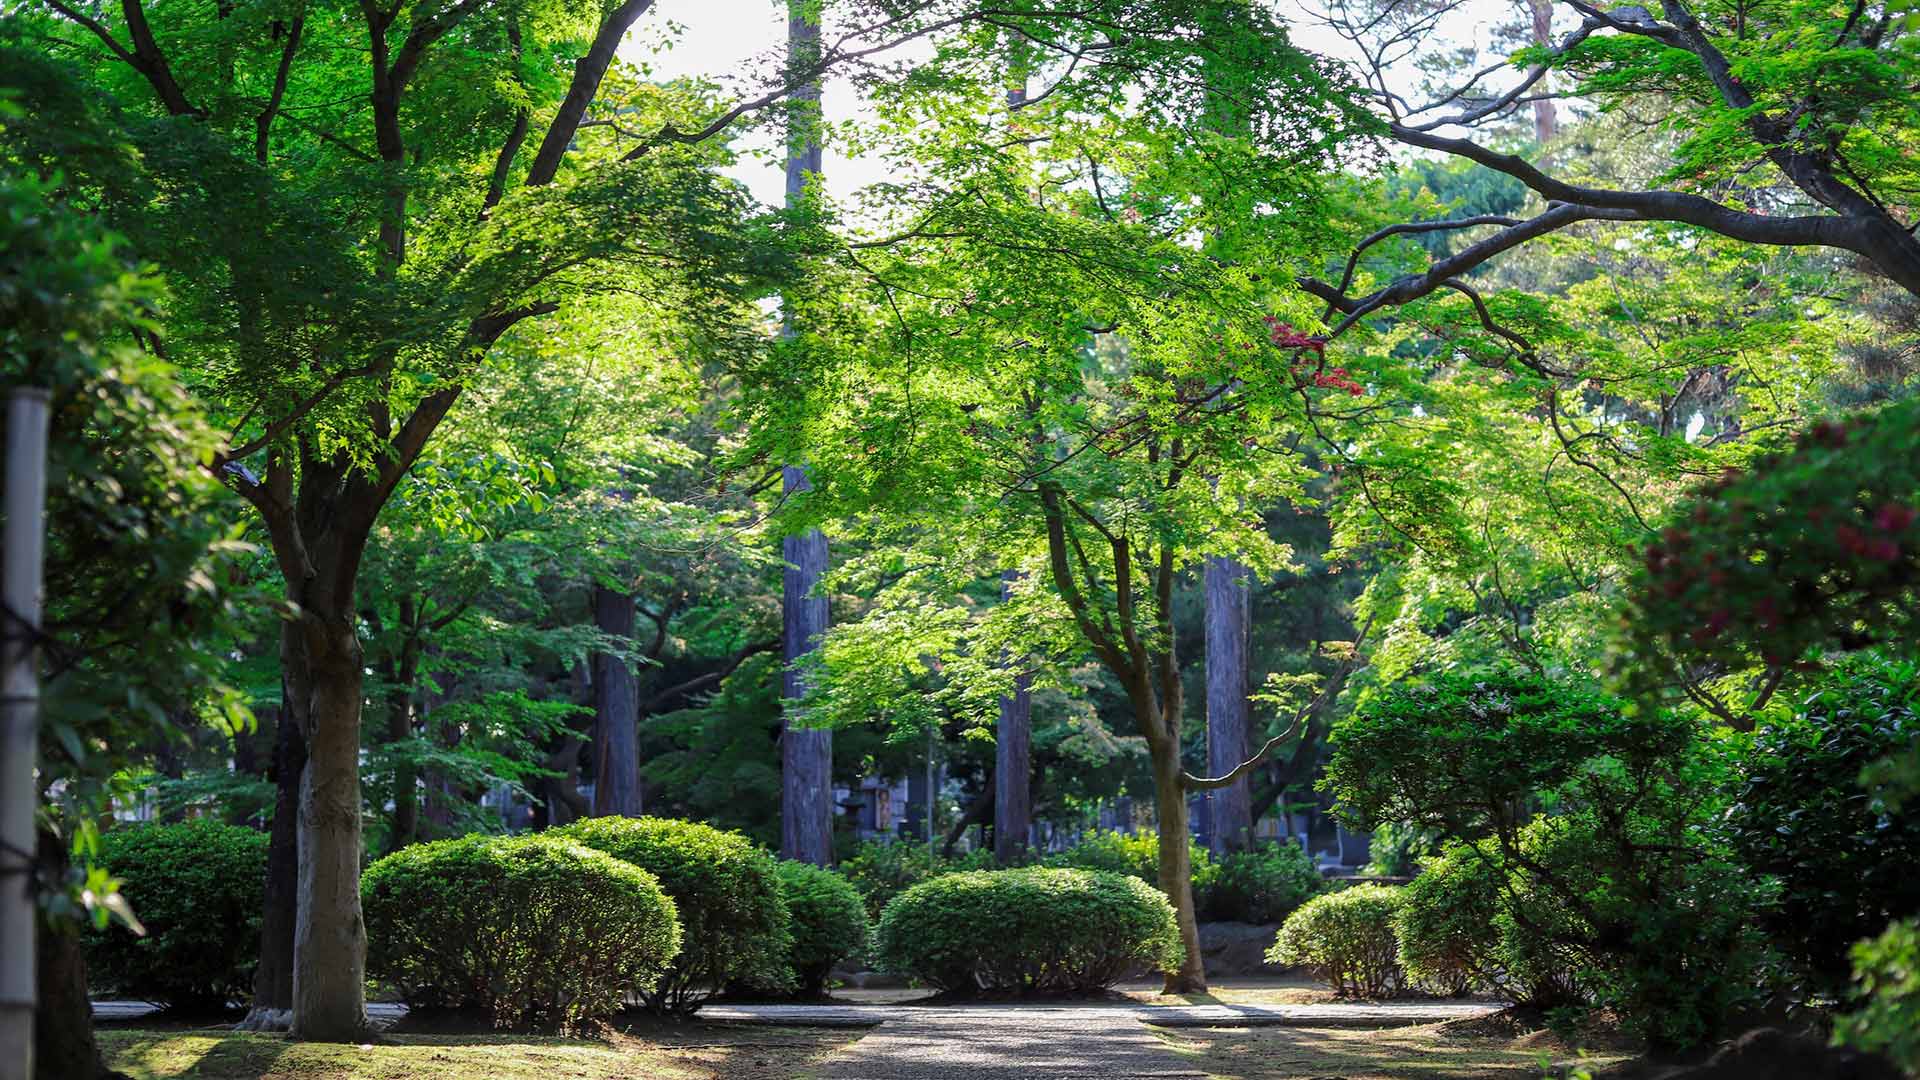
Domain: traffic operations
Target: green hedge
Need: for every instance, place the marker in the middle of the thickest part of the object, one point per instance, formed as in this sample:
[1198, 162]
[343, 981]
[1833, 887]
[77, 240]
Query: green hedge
[829, 922]
[1347, 938]
[531, 931]
[733, 919]
[1136, 855]
[198, 888]
[1032, 930]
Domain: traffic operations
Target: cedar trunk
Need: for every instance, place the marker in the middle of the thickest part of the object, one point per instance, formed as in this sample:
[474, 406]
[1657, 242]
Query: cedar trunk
[806, 754]
[616, 735]
[1013, 771]
[1227, 735]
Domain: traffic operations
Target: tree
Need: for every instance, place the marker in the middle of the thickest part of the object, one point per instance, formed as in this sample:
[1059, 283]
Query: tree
[335, 366]
[1792, 126]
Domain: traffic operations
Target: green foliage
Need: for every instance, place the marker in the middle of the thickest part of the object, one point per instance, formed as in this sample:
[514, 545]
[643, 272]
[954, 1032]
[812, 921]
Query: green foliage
[1030, 930]
[528, 931]
[139, 570]
[734, 922]
[1446, 928]
[1136, 855]
[1396, 849]
[1811, 548]
[1463, 753]
[1263, 884]
[880, 871]
[1844, 858]
[1347, 938]
[829, 922]
[196, 887]
[1887, 983]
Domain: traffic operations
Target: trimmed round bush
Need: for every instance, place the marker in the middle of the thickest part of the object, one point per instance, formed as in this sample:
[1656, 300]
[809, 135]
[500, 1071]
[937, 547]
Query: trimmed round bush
[829, 922]
[1346, 938]
[532, 931]
[197, 887]
[733, 920]
[1031, 930]
[1447, 931]
[1263, 884]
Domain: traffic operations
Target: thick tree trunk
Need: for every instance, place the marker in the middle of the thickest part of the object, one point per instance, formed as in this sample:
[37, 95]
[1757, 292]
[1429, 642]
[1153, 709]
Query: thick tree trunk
[1227, 736]
[1013, 772]
[616, 719]
[330, 936]
[806, 754]
[273, 979]
[64, 1047]
[1176, 865]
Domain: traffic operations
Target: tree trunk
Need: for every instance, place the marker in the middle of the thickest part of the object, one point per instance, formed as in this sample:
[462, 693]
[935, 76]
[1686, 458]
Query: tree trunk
[330, 937]
[1013, 772]
[64, 1047]
[616, 720]
[1227, 742]
[1545, 118]
[1176, 865]
[806, 754]
[273, 979]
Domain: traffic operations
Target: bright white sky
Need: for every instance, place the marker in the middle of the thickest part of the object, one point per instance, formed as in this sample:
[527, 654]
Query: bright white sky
[732, 41]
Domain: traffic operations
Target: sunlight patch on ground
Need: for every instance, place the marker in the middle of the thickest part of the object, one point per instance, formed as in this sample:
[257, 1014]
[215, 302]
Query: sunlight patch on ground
[1416, 1053]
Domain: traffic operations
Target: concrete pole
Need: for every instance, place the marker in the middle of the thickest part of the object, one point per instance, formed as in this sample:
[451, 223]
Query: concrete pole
[25, 539]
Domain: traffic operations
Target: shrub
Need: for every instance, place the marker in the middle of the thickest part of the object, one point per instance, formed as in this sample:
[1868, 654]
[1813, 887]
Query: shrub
[1346, 938]
[829, 921]
[197, 887]
[1843, 857]
[1031, 930]
[1136, 855]
[1263, 884]
[1887, 980]
[1397, 848]
[532, 931]
[1447, 932]
[733, 921]
[882, 870]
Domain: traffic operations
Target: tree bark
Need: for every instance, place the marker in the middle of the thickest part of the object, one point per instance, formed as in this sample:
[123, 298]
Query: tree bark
[1228, 744]
[1545, 118]
[330, 938]
[1176, 864]
[806, 754]
[1013, 774]
[273, 979]
[64, 1046]
[616, 720]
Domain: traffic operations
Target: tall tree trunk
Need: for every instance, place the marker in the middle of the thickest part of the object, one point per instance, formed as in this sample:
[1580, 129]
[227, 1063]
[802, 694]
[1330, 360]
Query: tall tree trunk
[1227, 735]
[616, 718]
[324, 673]
[273, 978]
[806, 754]
[1545, 118]
[1013, 773]
[64, 1046]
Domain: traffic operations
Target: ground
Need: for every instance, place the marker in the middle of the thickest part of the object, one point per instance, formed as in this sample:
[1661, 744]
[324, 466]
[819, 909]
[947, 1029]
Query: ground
[691, 1051]
[1427, 1052]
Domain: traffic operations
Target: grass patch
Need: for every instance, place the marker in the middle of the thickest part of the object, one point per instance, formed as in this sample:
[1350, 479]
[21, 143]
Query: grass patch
[641, 1049]
[1413, 1053]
